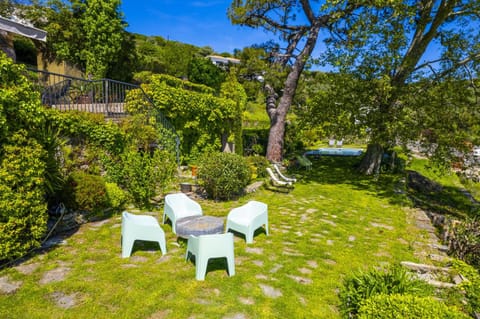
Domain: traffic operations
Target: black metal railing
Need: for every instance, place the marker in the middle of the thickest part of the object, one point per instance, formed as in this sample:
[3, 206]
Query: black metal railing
[105, 96]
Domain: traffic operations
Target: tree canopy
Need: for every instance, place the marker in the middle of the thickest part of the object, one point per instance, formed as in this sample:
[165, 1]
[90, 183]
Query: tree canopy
[299, 25]
[418, 61]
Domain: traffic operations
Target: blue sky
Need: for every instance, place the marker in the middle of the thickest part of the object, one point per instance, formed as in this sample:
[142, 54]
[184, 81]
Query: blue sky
[201, 23]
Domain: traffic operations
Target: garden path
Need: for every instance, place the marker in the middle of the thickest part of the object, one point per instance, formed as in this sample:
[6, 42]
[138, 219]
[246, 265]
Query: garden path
[266, 277]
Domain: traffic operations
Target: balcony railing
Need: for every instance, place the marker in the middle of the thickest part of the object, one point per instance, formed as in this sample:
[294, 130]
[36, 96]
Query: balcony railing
[104, 96]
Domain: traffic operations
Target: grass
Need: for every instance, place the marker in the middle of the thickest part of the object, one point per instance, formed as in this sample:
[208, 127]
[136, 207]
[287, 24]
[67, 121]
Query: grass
[451, 199]
[333, 222]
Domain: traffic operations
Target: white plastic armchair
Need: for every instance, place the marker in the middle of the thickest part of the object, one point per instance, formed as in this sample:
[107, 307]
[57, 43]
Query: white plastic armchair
[204, 247]
[140, 227]
[179, 206]
[247, 218]
[285, 178]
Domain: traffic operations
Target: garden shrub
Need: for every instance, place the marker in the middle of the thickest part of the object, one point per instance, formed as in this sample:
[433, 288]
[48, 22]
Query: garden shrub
[117, 197]
[470, 287]
[142, 174]
[86, 192]
[88, 128]
[361, 286]
[406, 307]
[20, 105]
[223, 175]
[464, 241]
[23, 211]
[259, 165]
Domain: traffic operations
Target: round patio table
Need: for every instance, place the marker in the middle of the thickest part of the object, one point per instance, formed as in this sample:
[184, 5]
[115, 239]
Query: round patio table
[199, 225]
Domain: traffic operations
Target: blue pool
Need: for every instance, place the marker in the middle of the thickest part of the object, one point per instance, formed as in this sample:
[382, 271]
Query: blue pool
[330, 151]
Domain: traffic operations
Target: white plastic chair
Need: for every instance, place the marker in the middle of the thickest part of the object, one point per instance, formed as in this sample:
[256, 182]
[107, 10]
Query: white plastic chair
[331, 143]
[275, 179]
[247, 218]
[179, 206]
[204, 247]
[140, 227]
[340, 143]
[285, 178]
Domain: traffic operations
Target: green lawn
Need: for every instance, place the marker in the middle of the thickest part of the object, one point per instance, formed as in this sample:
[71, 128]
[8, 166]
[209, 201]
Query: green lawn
[332, 223]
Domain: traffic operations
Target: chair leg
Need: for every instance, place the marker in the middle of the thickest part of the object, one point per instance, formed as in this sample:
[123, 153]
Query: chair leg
[266, 228]
[200, 267]
[231, 265]
[249, 236]
[127, 246]
[163, 246]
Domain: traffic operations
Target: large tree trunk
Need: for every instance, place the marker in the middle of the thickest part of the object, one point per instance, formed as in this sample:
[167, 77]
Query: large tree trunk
[277, 124]
[278, 114]
[372, 160]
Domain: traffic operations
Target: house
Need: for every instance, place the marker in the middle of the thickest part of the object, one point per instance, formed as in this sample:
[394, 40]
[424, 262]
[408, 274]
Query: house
[221, 61]
[9, 27]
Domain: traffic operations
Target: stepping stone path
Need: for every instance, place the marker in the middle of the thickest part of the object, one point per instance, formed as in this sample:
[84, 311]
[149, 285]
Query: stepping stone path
[270, 291]
[9, 287]
[64, 301]
[54, 275]
[27, 269]
[254, 254]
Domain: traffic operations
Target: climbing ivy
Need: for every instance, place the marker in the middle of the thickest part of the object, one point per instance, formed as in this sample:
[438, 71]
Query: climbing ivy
[200, 117]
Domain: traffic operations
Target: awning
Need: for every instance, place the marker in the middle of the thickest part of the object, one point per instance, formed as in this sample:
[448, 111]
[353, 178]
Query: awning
[22, 29]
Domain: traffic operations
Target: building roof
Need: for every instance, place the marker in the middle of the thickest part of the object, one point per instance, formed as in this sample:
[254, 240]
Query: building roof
[21, 28]
[217, 59]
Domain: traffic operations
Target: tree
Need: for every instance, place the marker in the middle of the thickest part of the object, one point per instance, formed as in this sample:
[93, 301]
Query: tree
[300, 35]
[87, 33]
[202, 71]
[412, 94]
[102, 25]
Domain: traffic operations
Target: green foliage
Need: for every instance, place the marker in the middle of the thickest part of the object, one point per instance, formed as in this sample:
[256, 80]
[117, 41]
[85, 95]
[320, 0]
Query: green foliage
[85, 192]
[232, 89]
[52, 141]
[22, 182]
[102, 27]
[397, 306]
[142, 174]
[117, 197]
[403, 93]
[258, 165]
[469, 287]
[89, 34]
[138, 133]
[362, 285]
[89, 128]
[465, 241]
[159, 55]
[200, 118]
[203, 71]
[223, 175]
[23, 211]
[20, 105]
[255, 141]
[253, 63]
